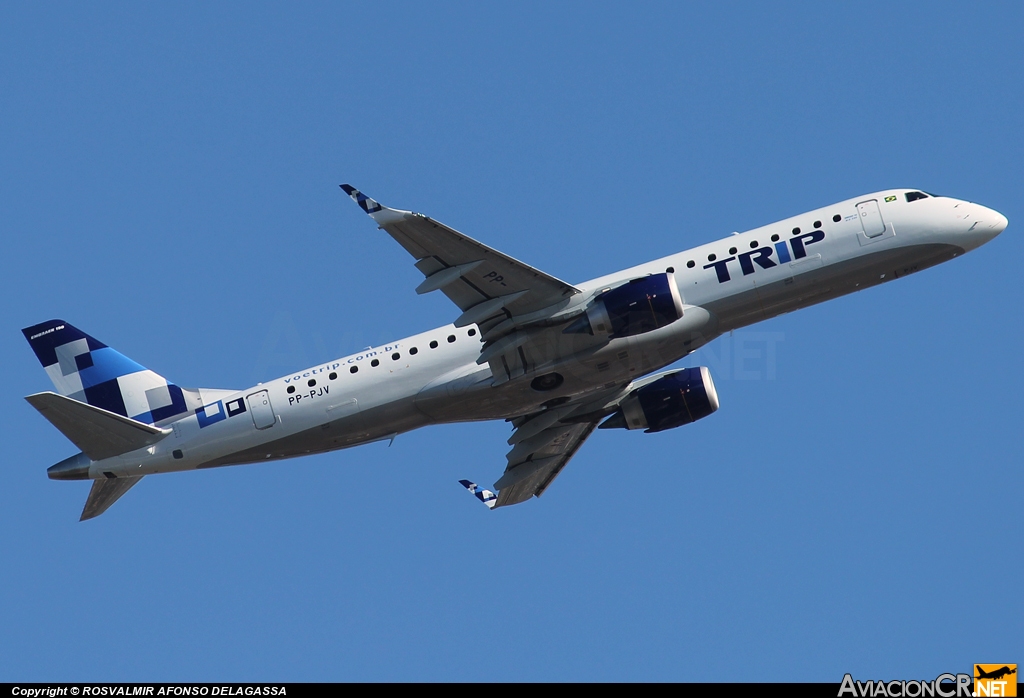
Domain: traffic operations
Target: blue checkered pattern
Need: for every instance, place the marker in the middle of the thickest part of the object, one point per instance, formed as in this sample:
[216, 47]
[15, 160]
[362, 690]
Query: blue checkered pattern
[85, 369]
[211, 414]
[365, 202]
[485, 496]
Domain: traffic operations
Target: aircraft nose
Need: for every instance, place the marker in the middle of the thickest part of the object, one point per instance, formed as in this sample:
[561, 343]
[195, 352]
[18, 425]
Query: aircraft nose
[988, 223]
[992, 222]
[999, 223]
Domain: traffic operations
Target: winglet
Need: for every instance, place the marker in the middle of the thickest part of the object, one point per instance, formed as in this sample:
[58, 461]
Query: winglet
[485, 496]
[365, 202]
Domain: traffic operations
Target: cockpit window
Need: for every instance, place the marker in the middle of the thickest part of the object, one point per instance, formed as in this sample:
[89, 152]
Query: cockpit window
[915, 195]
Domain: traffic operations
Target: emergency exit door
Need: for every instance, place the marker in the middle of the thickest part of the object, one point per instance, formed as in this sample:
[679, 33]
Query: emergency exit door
[261, 410]
[870, 218]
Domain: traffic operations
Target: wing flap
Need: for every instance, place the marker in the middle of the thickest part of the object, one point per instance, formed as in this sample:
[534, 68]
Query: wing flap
[98, 433]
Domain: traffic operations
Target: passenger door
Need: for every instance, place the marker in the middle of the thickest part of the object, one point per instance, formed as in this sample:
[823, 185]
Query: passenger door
[261, 410]
[871, 218]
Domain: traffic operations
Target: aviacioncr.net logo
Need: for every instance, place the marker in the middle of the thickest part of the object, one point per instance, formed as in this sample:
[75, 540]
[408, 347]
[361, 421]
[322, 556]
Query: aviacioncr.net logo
[943, 686]
[995, 680]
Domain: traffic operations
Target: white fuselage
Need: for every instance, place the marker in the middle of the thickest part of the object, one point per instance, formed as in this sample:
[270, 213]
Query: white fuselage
[434, 377]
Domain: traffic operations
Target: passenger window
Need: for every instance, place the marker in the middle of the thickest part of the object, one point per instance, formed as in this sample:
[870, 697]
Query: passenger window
[354, 369]
[291, 389]
[312, 382]
[691, 264]
[451, 338]
[414, 351]
[473, 332]
[395, 356]
[333, 376]
[732, 250]
[375, 362]
[433, 344]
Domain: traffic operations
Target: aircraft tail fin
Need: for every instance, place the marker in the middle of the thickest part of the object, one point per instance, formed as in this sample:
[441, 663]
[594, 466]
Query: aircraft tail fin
[485, 496]
[85, 369]
[104, 493]
[97, 432]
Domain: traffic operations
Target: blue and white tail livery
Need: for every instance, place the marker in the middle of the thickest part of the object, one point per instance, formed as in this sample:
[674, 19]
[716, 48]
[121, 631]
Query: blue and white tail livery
[85, 369]
[555, 360]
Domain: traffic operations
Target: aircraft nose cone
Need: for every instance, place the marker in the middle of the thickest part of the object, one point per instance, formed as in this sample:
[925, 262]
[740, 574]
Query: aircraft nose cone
[987, 224]
[992, 223]
[999, 224]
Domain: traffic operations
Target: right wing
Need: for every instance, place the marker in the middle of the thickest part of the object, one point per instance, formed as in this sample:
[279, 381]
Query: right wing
[489, 287]
[519, 309]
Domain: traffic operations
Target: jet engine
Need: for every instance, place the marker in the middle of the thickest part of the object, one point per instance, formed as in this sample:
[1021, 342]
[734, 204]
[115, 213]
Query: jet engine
[638, 306]
[669, 402]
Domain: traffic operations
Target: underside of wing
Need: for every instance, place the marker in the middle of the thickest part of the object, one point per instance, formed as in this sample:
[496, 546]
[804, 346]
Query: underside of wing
[527, 478]
[488, 286]
[543, 443]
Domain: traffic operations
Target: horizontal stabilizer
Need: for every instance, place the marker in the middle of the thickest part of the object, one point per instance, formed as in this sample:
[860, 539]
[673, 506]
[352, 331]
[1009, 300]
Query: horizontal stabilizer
[85, 369]
[98, 433]
[104, 493]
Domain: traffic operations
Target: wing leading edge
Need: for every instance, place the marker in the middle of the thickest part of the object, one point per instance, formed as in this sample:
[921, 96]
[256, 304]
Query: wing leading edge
[488, 286]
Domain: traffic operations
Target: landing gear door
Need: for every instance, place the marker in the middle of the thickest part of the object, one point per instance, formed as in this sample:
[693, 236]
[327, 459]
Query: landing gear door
[871, 218]
[261, 410]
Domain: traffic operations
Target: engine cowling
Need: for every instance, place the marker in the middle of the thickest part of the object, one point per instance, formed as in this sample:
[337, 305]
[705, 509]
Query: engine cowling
[638, 306]
[669, 402]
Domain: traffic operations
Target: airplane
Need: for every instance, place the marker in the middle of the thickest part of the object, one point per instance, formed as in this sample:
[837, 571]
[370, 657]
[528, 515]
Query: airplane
[555, 360]
[995, 674]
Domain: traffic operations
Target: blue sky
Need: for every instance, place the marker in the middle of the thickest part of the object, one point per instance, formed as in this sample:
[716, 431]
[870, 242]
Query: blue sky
[169, 183]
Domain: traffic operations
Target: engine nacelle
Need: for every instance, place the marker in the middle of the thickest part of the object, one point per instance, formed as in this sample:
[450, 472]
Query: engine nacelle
[639, 306]
[669, 402]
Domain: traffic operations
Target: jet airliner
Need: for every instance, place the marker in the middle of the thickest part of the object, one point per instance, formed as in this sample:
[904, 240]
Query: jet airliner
[555, 360]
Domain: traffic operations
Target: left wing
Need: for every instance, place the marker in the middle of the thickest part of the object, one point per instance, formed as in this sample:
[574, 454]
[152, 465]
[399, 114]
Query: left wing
[534, 463]
[543, 443]
[491, 288]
